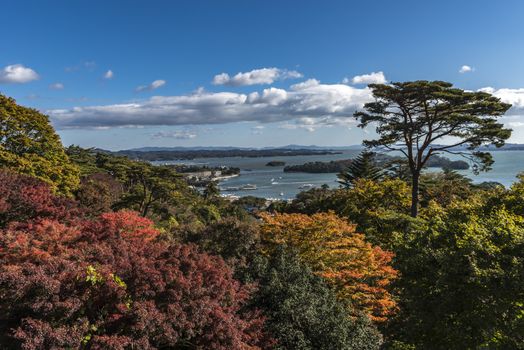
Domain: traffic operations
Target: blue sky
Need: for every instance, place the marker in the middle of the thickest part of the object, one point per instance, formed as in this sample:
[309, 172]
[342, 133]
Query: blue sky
[303, 65]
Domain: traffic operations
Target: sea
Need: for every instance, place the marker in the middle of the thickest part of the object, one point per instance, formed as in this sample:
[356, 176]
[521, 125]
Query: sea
[274, 183]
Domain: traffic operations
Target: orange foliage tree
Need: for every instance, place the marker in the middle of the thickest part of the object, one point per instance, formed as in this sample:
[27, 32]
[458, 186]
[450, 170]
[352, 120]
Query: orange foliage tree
[359, 272]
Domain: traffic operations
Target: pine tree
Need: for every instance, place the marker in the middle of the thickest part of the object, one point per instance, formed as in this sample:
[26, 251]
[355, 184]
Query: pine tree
[362, 167]
[413, 117]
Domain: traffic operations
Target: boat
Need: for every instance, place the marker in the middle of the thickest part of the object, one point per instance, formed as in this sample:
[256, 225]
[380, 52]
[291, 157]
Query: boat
[248, 187]
[304, 186]
[231, 188]
[281, 194]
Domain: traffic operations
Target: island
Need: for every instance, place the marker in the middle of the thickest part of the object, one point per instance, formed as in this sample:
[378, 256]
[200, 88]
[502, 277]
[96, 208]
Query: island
[275, 163]
[334, 166]
[446, 163]
[167, 155]
[199, 176]
[337, 166]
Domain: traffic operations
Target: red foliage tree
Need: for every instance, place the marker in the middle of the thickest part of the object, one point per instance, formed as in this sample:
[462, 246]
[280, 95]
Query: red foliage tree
[109, 284]
[26, 198]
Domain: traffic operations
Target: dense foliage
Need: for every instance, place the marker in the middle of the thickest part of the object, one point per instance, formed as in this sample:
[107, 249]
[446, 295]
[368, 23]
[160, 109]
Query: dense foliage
[302, 311]
[463, 277]
[29, 145]
[358, 271]
[157, 192]
[25, 198]
[110, 283]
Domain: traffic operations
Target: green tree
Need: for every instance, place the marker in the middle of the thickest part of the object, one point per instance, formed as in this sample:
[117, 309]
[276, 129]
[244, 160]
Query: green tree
[211, 191]
[302, 312]
[413, 117]
[362, 167]
[462, 284]
[380, 209]
[444, 187]
[29, 145]
[146, 187]
[84, 158]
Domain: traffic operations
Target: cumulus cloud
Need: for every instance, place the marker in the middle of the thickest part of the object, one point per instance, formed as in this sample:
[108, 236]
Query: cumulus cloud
[371, 78]
[312, 124]
[56, 86]
[515, 124]
[513, 96]
[178, 134]
[466, 69]
[109, 74]
[256, 76]
[514, 118]
[17, 73]
[153, 86]
[309, 99]
[305, 84]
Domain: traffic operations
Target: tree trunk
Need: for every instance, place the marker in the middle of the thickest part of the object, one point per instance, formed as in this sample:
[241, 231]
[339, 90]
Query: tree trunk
[414, 194]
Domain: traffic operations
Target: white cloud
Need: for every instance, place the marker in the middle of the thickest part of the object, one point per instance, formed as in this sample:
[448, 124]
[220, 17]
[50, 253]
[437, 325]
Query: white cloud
[305, 84]
[153, 86]
[513, 96]
[256, 76]
[109, 74]
[514, 118]
[17, 73]
[257, 129]
[178, 134]
[371, 78]
[290, 74]
[312, 124]
[56, 86]
[271, 96]
[466, 69]
[515, 124]
[309, 99]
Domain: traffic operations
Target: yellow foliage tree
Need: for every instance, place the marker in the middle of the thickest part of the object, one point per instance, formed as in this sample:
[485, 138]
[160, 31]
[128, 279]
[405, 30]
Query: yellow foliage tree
[359, 272]
[29, 145]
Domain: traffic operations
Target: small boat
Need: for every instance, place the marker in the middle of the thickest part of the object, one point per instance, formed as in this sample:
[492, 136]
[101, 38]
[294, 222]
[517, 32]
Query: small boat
[281, 194]
[231, 188]
[248, 187]
[304, 186]
[274, 183]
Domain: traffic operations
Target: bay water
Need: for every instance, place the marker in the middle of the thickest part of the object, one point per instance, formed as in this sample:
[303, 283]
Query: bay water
[273, 182]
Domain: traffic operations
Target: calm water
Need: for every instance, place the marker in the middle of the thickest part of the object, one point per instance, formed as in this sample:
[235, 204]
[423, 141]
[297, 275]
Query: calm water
[272, 182]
